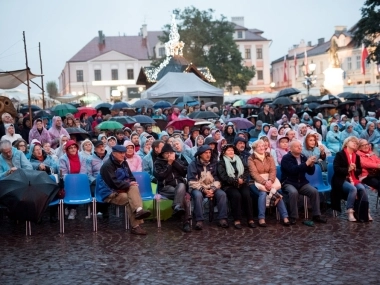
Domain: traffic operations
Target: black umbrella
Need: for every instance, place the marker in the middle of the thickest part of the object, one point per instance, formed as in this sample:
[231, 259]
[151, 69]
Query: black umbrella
[42, 114]
[346, 102]
[310, 99]
[119, 106]
[142, 119]
[313, 105]
[329, 97]
[285, 101]
[143, 103]
[123, 120]
[203, 115]
[324, 106]
[287, 92]
[25, 109]
[79, 133]
[185, 99]
[353, 96]
[249, 106]
[27, 194]
[103, 105]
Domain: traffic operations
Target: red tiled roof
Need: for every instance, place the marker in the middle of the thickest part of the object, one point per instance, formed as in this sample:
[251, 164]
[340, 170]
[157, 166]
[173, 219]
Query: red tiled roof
[133, 46]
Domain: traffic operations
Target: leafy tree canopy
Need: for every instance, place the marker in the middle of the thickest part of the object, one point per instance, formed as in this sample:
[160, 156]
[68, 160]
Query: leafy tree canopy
[209, 43]
[367, 30]
[51, 88]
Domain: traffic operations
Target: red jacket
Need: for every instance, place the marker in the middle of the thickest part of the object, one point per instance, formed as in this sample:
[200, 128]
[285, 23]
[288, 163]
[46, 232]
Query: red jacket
[367, 161]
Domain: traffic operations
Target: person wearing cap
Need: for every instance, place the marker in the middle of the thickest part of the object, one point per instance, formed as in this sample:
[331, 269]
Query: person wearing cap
[11, 159]
[194, 133]
[241, 145]
[10, 134]
[234, 176]
[150, 158]
[204, 183]
[39, 132]
[254, 133]
[170, 171]
[118, 186]
[72, 163]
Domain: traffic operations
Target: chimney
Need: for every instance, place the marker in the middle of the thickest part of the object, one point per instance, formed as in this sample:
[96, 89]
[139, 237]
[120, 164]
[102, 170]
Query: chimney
[144, 31]
[238, 21]
[309, 44]
[102, 38]
[321, 41]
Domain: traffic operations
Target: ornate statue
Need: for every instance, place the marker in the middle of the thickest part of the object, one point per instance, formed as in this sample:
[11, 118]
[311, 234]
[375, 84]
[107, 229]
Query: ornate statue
[334, 59]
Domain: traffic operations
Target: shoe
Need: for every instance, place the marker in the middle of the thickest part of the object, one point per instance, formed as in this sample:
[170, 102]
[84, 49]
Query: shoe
[186, 227]
[369, 217]
[286, 224]
[252, 225]
[199, 226]
[223, 223]
[72, 214]
[66, 211]
[178, 211]
[262, 223]
[292, 221]
[238, 226]
[319, 219]
[350, 215]
[138, 231]
[142, 214]
[53, 219]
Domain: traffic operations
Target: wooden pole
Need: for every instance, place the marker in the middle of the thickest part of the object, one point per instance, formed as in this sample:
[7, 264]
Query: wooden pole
[42, 79]
[27, 78]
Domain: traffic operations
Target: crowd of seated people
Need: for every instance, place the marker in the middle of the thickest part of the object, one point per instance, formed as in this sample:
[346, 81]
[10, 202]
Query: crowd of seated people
[217, 162]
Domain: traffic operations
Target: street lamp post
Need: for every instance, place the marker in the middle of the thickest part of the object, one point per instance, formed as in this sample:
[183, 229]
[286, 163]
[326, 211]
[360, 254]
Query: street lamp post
[310, 78]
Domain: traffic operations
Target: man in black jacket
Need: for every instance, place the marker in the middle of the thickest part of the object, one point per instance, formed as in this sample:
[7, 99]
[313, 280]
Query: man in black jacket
[170, 172]
[294, 166]
[122, 189]
[265, 116]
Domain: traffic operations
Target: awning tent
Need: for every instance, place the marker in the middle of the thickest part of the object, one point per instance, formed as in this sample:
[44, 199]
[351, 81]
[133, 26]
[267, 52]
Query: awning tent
[12, 79]
[174, 85]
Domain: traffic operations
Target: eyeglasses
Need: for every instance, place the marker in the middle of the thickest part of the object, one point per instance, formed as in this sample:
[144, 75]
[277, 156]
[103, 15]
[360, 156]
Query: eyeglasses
[367, 144]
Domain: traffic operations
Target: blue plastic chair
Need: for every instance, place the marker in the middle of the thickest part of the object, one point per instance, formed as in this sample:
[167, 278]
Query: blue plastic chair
[278, 172]
[146, 192]
[330, 159]
[77, 192]
[316, 180]
[330, 172]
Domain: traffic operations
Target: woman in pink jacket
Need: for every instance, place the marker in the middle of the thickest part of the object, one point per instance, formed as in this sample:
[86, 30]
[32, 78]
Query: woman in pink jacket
[134, 160]
[370, 165]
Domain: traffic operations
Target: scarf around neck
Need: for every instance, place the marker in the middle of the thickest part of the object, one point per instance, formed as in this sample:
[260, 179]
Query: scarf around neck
[74, 163]
[260, 156]
[230, 169]
[351, 158]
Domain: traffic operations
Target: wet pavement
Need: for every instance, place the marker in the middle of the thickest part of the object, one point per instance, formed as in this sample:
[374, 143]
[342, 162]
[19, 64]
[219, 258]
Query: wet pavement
[338, 252]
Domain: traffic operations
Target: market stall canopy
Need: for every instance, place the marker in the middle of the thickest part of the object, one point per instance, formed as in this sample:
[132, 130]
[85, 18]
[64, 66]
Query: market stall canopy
[12, 79]
[174, 85]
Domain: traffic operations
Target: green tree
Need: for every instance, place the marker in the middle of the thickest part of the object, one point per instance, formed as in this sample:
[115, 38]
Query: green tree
[367, 30]
[209, 43]
[52, 90]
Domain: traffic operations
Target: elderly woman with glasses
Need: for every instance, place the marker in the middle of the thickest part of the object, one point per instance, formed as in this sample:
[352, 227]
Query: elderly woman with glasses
[345, 181]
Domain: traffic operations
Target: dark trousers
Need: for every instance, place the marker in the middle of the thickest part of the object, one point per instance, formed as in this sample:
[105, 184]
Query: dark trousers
[178, 195]
[240, 200]
[373, 182]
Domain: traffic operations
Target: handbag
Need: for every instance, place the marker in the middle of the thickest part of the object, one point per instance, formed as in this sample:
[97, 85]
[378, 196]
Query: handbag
[276, 184]
[61, 193]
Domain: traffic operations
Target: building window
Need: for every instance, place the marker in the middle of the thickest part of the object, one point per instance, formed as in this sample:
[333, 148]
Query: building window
[239, 34]
[161, 52]
[349, 63]
[259, 53]
[367, 82]
[130, 74]
[98, 74]
[115, 74]
[358, 62]
[358, 83]
[79, 75]
[247, 53]
[260, 75]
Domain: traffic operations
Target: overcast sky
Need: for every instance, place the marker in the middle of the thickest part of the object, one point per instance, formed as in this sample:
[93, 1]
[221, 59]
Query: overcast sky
[63, 27]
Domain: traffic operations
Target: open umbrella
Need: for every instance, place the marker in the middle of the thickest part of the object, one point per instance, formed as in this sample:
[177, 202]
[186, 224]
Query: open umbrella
[313, 105]
[249, 106]
[162, 105]
[209, 104]
[123, 120]
[88, 110]
[42, 114]
[241, 123]
[239, 103]
[25, 109]
[329, 97]
[287, 92]
[27, 193]
[79, 133]
[310, 99]
[346, 102]
[63, 109]
[255, 101]
[119, 106]
[203, 115]
[179, 124]
[325, 106]
[184, 98]
[190, 104]
[109, 125]
[285, 101]
[143, 103]
[353, 96]
[142, 119]
[103, 105]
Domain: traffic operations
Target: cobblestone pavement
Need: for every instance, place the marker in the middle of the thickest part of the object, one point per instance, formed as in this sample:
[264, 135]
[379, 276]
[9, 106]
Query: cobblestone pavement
[336, 253]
